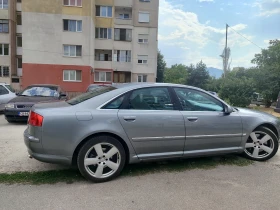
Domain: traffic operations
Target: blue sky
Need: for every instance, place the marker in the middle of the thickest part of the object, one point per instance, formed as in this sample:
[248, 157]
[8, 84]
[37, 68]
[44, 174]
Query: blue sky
[194, 30]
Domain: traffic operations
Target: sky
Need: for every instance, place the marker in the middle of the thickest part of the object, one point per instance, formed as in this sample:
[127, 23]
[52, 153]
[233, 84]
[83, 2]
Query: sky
[194, 30]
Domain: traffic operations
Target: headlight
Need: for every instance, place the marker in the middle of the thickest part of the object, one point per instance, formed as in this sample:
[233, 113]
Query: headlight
[10, 106]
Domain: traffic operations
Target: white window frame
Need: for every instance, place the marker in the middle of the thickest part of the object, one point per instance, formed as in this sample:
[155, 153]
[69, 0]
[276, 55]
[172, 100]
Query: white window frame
[121, 16]
[143, 40]
[69, 80]
[2, 23]
[142, 77]
[76, 21]
[4, 50]
[105, 72]
[2, 4]
[106, 11]
[2, 71]
[76, 3]
[141, 13]
[75, 51]
[99, 32]
[143, 61]
[126, 59]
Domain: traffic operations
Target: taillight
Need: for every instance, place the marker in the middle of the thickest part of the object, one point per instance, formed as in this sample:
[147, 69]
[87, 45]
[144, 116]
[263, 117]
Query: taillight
[35, 119]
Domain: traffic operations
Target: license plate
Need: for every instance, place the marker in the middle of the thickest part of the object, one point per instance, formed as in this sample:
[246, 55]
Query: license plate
[26, 114]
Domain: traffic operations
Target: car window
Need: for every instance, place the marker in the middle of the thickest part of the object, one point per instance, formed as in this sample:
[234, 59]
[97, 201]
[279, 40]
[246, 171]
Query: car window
[115, 104]
[194, 100]
[3, 91]
[86, 96]
[40, 91]
[10, 88]
[150, 99]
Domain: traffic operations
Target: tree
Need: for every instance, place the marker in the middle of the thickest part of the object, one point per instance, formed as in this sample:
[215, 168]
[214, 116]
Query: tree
[267, 72]
[176, 74]
[198, 75]
[161, 65]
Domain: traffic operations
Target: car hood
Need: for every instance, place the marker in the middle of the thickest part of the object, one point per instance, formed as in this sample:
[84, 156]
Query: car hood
[32, 99]
[251, 112]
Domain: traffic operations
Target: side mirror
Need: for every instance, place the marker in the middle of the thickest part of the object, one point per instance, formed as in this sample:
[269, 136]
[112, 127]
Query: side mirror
[62, 96]
[17, 93]
[228, 110]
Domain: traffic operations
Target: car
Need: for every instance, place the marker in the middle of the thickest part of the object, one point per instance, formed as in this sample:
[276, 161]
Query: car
[103, 130]
[96, 86]
[18, 108]
[213, 93]
[6, 94]
[277, 108]
[257, 99]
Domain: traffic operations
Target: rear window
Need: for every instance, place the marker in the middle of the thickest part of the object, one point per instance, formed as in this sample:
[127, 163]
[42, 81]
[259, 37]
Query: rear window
[41, 91]
[10, 88]
[93, 93]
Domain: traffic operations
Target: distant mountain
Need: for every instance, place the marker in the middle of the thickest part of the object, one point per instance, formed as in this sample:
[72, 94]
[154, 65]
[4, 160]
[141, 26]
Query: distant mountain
[217, 73]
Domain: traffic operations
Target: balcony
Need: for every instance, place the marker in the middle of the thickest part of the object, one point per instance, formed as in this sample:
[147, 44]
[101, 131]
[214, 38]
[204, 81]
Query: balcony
[19, 50]
[103, 59]
[121, 21]
[122, 66]
[122, 3]
[123, 16]
[18, 7]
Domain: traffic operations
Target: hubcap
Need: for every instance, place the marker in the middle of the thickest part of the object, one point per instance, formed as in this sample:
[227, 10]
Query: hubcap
[259, 145]
[102, 160]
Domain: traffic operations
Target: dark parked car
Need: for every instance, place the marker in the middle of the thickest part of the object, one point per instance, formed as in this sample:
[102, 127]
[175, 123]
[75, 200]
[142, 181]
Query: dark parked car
[18, 108]
[94, 87]
[277, 109]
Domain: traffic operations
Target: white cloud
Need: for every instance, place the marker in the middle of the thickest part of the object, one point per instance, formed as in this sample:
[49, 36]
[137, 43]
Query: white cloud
[267, 7]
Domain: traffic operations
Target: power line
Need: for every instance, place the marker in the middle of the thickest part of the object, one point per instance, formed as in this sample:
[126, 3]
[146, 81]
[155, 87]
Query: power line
[245, 37]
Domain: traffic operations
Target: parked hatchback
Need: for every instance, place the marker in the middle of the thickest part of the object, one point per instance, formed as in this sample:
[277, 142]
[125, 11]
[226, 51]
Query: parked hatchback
[105, 129]
[6, 94]
[18, 108]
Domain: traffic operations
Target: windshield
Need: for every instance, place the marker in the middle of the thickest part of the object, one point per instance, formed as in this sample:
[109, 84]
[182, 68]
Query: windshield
[10, 88]
[93, 93]
[40, 91]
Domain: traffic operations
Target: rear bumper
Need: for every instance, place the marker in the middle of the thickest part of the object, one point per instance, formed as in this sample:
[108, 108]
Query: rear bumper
[35, 150]
[13, 114]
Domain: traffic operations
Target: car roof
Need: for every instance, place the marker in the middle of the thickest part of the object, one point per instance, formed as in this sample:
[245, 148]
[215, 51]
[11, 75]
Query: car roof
[43, 85]
[3, 83]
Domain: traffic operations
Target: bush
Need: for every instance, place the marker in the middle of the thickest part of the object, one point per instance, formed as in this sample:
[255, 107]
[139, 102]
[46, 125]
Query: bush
[237, 91]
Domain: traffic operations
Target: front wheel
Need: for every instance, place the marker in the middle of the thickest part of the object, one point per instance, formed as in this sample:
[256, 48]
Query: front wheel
[101, 159]
[261, 145]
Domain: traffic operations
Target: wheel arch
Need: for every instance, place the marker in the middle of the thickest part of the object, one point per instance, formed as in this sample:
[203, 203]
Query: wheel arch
[270, 127]
[78, 147]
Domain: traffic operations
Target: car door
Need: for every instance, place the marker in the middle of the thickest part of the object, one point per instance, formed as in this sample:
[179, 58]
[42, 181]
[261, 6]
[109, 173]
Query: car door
[208, 128]
[152, 123]
[4, 95]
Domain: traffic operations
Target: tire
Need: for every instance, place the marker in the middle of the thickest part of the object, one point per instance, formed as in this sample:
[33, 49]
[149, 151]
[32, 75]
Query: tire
[94, 156]
[261, 145]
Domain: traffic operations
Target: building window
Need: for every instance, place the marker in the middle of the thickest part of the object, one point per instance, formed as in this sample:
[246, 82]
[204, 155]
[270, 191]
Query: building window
[4, 71]
[4, 49]
[123, 34]
[142, 78]
[72, 25]
[19, 63]
[103, 33]
[102, 76]
[145, 0]
[144, 17]
[142, 59]
[4, 26]
[4, 4]
[122, 55]
[19, 41]
[72, 50]
[143, 38]
[72, 75]
[123, 16]
[19, 20]
[104, 11]
[74, 3]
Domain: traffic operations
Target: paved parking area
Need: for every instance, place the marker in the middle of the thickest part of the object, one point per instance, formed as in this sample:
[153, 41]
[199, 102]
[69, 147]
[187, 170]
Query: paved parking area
[13, 153]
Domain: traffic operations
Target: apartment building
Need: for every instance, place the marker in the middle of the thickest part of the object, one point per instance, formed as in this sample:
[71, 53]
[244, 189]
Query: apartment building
[74, 43]
[10, 42]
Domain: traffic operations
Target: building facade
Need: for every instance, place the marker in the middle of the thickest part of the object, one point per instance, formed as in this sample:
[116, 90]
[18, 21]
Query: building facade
[74, 43]
[10, 42]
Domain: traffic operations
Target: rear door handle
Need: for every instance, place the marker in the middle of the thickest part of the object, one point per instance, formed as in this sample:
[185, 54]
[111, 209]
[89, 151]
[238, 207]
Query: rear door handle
[129, 118]
[192, 119]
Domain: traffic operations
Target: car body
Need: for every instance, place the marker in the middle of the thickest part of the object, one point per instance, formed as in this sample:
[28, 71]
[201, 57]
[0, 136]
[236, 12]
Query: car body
[18, 108]
[6, 94]
[277, 108]
[213, 93]
[144, 122]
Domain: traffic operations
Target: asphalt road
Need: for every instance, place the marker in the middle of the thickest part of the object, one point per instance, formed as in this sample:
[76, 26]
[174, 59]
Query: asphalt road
[225, 187]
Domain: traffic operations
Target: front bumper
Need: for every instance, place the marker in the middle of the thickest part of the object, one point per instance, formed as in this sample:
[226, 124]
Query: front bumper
[36, 151]
[13, 114]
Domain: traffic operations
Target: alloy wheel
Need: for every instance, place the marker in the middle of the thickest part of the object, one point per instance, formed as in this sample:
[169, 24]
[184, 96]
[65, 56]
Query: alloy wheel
[259, 145]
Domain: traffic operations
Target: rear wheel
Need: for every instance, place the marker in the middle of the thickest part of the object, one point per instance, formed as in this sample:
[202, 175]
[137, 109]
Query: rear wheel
[261, 145]
[101, 159]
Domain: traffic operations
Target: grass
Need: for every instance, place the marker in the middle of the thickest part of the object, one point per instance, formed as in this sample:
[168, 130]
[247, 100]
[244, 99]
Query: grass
[72, 175]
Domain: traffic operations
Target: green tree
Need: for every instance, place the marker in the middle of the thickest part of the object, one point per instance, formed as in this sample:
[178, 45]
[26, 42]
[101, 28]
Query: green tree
[176, 74]
[161, 65]
[198, 75]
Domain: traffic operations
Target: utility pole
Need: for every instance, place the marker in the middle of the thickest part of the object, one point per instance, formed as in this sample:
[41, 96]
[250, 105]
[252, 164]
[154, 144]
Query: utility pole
[226, 49]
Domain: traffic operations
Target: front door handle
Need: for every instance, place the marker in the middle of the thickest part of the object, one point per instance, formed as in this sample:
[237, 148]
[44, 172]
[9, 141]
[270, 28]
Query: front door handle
[192, 119]
[129, 118]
